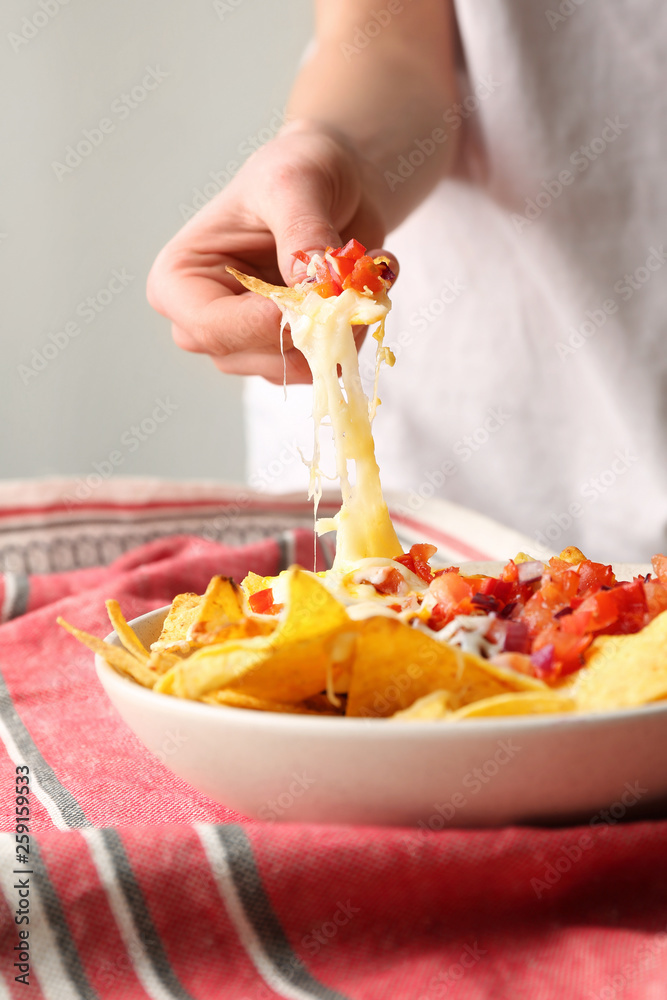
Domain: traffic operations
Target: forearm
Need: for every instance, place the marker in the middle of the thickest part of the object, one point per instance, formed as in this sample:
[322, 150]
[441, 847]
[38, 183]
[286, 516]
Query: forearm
[387, 95]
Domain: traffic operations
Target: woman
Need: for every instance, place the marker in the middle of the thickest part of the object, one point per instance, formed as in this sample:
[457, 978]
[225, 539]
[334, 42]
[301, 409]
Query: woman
[519, 148]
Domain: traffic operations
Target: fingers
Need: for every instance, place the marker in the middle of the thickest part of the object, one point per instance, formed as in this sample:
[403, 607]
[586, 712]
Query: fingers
[211, 319]
[300, 220]
[293, 369]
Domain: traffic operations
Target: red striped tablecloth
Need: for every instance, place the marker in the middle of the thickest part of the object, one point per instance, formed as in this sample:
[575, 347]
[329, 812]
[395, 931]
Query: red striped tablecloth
[140, 887]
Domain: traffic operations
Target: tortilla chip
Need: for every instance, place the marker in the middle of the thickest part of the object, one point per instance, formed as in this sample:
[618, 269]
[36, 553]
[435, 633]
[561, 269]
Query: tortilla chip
[436, 705]
[516, 703]
[253, 583]
[183, 612]
[127, 636]
[289, 665]
[120, 659]
[624, 671]
[394, 665]
[235, 699]
[220, 616]
[282, 295]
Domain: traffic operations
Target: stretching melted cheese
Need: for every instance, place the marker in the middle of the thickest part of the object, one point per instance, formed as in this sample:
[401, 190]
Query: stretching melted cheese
[322, 329]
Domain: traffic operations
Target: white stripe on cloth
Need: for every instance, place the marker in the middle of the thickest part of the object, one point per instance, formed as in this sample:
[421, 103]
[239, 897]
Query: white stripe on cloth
[219, 862]
[4, 988]
[118, 904]
[18, 759]
[45, 960]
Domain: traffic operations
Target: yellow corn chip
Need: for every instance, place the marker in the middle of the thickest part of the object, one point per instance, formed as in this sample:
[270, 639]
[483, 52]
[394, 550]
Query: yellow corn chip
[572, 555]
[220, 607]
[280, 294]
[288, 665]
[253, 583]
[515, 703]
[126, 635]
[394, 665]
[624, 671]
[175, 627]
[116, 656]
[436, 705]
[235, 699]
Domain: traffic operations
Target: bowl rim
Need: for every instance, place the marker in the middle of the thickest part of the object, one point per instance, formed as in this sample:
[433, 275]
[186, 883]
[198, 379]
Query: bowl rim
[504, 725]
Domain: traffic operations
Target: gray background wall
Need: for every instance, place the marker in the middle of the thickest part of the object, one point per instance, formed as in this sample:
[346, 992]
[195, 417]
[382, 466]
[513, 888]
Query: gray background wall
[76, 375]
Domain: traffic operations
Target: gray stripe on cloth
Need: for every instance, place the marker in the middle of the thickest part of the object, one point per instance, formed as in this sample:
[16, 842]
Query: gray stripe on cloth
[263, 917]
[70, 810]
[287, 544]
[17, 593]
[141, 916]
[55, 915]
[326, 550]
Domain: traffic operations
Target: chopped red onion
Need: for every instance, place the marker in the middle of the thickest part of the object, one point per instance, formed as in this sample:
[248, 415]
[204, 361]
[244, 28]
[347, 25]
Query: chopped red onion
[516, 637]
[543, 661]
[486, 601]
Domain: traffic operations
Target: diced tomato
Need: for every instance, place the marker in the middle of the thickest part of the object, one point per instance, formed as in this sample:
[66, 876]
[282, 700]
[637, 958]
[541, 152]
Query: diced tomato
[343, 266]
[659, 564]
[302, 256]
[365, 275]
[656, 598]
[390, 582]
[352, 250]
[261, 601]
[450, 590]
[416, 560]
[325, 283]
[510, 572]
[632, 608]
[423, 551]
[536, 614]
[568, 649]
[592, 576]
[597, 612]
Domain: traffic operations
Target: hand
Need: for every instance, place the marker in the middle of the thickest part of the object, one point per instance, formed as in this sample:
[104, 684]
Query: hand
[304, 190]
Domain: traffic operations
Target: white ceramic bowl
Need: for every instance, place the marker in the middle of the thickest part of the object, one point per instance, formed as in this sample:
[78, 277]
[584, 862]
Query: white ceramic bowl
[490, 772]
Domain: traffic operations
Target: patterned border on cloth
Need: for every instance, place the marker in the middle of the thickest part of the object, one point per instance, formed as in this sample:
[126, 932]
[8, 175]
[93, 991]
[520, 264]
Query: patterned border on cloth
[42, 531]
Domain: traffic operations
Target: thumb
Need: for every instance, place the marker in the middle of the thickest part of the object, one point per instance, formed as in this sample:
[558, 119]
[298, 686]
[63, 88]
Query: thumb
[300, 220]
